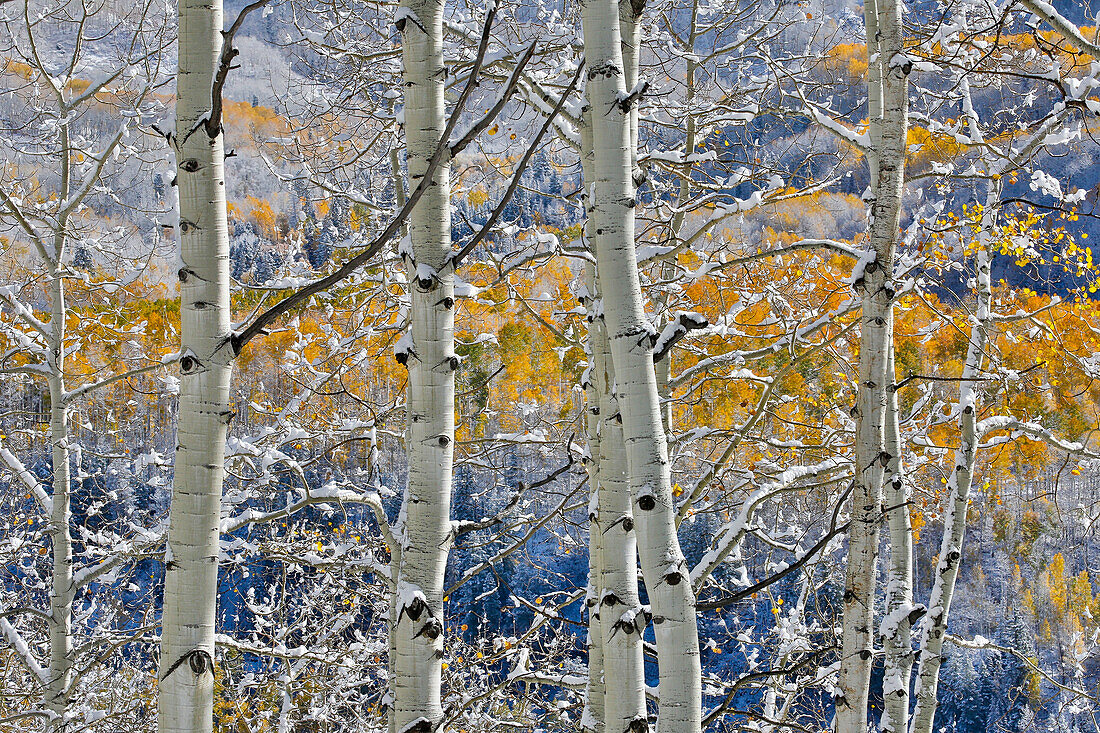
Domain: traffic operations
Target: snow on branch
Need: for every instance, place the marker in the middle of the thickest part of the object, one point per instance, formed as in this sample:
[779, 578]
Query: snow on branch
[19, 645]
[676, 329]
[729, 536]
[27, 479]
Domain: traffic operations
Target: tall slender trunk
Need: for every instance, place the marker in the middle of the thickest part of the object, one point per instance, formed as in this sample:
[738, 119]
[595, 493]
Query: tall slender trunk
[630, 35]
[622, 618]
[595, 718]
[62, 590]
[888, 82]
[630, 335]
[425, 531]
[621, 621]
[206, 364]
[896, 627]
[934, 626]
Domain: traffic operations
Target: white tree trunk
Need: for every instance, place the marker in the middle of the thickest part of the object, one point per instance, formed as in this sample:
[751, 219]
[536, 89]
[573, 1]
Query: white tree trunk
[62, 589]
[425, 527]
[934, 626]
[594, 718]
[630, 335]
[896, 627]
[621, 615]
[888, 81]
[630, 34]
[191, 562]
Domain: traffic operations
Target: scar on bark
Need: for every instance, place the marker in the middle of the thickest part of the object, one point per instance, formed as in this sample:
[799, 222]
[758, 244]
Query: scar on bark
[199, 660]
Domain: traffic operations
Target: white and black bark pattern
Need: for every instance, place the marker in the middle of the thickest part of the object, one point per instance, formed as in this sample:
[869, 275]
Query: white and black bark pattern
[594, 692]
[191, 561]
[934, 625]
[62, 587]
[611, 211]
[630, 34]
[888, 82]
[594, 718]
[622, 618]
[896, 626]
[424, 529]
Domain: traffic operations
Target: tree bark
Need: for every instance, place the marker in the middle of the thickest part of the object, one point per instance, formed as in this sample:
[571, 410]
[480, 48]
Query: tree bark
[934, 626]
[622, 618]
[424, 528]
[630, 335]
[62, 589]
[888, 82]
[896, 627]
[191, 560]
[594, 718]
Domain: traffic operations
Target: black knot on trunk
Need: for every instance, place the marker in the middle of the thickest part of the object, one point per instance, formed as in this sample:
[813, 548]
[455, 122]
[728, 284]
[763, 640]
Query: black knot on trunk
[416, 608]
[628, 524]
[647, 503]
[431, 630]
[674, 577]
[190, 165]
[444, 441]
[199, 661]
[189, 364]
[447, 302]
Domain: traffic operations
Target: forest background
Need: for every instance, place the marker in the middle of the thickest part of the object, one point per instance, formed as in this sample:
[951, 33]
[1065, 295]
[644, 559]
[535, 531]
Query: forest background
[752, 220]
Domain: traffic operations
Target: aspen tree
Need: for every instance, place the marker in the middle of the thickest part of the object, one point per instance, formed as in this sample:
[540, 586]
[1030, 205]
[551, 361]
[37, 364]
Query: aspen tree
[52, 220]
[873, 278]
[424, 530]
[611, 209]
[594, 717]
[206, 363]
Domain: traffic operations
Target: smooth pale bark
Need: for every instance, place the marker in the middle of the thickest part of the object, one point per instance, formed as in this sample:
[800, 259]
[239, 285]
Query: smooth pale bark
[594, 692]
[424, 529]
[62, 589]
[621, 615]
[888, 82]
[191, 561]
[611, 211]
[934, 626]
[896, 627]
[622, 620]
[594, 718]
[630, 34]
